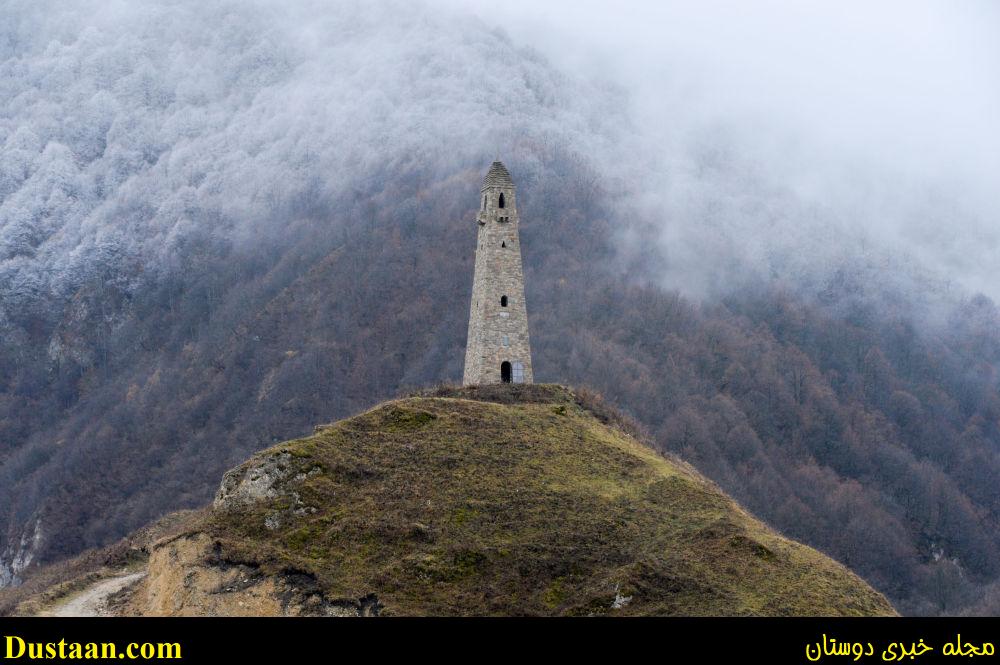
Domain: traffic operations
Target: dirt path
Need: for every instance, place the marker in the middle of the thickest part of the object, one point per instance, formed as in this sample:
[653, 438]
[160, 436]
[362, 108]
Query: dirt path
[91, 602]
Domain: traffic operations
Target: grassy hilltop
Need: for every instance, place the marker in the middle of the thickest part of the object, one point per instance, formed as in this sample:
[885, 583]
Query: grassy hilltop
[494, 500]
[514, 500]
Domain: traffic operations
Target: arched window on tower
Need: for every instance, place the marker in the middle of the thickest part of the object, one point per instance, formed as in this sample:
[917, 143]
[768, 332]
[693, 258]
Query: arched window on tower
[505, 372]
[503, 301]
[501, 199]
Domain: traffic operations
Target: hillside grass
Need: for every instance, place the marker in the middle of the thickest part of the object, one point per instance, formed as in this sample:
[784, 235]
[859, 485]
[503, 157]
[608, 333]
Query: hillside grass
[521, 500]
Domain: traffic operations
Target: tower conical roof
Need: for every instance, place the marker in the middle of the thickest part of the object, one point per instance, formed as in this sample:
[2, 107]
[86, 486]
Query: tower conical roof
[497, 176]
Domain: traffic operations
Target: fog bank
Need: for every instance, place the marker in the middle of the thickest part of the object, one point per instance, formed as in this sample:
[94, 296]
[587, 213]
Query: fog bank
[778, 140]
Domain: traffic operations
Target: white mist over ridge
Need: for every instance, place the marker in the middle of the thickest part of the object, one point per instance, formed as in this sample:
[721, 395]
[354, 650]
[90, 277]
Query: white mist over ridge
[222, 223]
[777, 140]
[128, 127]
[784, 137]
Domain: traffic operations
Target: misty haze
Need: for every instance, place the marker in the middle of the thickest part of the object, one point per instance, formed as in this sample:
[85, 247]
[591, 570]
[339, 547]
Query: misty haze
[767, 233]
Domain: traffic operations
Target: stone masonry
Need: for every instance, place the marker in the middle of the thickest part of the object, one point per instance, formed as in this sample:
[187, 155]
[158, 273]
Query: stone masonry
[497, 349]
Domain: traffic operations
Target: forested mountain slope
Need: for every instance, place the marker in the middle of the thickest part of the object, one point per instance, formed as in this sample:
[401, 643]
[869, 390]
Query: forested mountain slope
[191, 272]
[858, 433]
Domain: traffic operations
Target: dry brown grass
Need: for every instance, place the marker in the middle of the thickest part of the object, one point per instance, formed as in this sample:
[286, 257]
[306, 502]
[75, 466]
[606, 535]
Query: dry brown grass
[523, 500]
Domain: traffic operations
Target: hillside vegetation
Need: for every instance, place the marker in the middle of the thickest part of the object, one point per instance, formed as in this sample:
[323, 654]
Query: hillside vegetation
[215, 233]
[845, 423]
[849, 424]
[522, 500]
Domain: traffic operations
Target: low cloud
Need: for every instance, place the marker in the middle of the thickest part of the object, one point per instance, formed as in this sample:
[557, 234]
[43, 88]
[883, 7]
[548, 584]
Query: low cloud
[777, 139]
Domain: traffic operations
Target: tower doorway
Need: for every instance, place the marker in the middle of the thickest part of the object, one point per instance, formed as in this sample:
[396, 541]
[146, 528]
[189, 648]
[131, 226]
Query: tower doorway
[505, 372]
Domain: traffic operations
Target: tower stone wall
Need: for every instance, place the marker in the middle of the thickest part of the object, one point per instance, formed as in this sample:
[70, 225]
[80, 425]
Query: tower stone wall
[497, 347]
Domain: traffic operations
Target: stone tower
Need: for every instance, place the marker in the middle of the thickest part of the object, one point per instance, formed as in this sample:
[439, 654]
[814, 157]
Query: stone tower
[497, 348]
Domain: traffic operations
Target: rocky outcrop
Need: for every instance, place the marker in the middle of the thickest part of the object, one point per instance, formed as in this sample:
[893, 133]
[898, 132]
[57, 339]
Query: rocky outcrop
[261, 478]
[266, 477]
[19, 554]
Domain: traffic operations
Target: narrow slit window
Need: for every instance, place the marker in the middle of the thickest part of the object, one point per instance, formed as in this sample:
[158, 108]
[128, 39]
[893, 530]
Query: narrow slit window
[501, 203]
[503, 244]
[503, 301]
